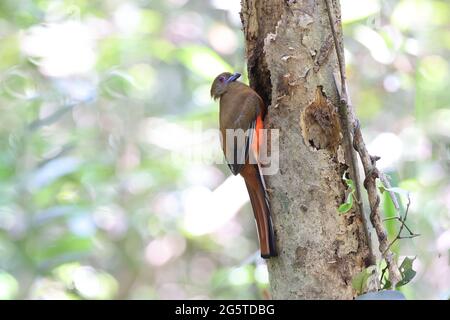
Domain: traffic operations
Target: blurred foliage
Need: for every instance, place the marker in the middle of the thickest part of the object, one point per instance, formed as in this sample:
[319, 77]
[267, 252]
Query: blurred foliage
[100, 101]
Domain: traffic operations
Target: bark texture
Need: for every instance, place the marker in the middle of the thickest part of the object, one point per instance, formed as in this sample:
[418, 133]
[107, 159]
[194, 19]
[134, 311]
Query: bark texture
[292, 64]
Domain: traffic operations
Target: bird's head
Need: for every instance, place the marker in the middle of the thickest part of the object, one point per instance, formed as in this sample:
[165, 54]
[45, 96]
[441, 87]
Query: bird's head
[221, 82]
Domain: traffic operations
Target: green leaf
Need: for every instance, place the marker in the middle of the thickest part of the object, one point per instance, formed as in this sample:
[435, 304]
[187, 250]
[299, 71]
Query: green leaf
[350, 183]
[347, 205]
[406, 271]
[360, 280]
[391, 225]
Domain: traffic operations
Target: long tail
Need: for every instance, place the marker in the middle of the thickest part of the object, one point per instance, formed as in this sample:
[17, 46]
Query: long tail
[261, 210]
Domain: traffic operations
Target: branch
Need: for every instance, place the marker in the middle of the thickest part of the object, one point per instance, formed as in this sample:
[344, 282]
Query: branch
[348, 129]
[368, 162]
[339, 53]
[372, 173]
[384, 179]
[403, 225]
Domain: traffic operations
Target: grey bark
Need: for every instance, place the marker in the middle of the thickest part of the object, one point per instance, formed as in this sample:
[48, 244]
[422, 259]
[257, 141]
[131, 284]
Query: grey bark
[292, 64]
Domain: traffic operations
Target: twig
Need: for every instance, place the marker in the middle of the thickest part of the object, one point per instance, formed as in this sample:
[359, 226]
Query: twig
[346, 116]
[372, 174]
[403, 225]
[339, 53]
[384, 179]
[369, 163]
[409, 237]
[347, 127]
[383, 273]
[412, 234]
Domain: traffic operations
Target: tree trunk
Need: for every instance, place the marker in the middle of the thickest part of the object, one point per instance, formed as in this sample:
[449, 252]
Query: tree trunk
[292, 64]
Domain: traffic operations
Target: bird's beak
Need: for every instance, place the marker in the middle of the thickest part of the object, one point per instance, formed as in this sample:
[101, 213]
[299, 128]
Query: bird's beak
[233, 77]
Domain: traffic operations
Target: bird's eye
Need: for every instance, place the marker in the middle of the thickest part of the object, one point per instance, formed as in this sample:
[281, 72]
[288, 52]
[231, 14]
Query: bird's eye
[221, 79]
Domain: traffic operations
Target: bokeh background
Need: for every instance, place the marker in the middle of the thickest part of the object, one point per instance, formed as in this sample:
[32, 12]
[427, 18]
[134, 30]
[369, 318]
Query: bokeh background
[105, 107]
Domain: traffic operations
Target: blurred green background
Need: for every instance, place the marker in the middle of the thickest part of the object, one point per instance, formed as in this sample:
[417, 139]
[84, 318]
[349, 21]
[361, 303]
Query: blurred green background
[102, 103]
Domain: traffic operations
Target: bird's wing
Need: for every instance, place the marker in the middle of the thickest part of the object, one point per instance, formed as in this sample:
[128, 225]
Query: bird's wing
[239, 142]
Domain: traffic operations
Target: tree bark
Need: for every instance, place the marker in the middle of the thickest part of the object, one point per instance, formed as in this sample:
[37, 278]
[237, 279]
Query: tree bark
[292, 64]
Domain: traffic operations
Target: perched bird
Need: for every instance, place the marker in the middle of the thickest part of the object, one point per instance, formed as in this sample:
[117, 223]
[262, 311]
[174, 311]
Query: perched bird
[243, 110]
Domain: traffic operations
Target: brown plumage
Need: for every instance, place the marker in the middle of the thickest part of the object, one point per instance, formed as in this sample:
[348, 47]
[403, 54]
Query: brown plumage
[242, 109]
